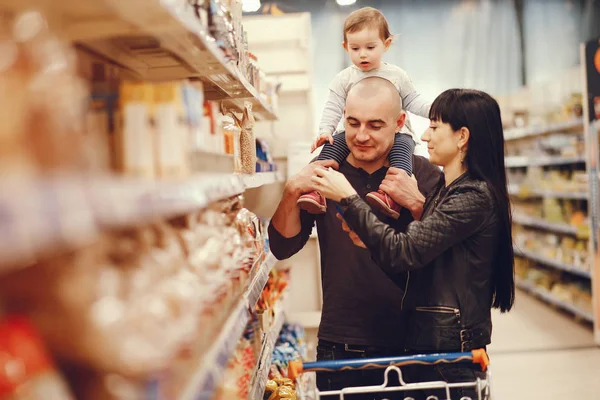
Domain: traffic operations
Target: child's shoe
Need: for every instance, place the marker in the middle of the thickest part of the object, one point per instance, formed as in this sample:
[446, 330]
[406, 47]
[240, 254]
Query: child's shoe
[384, 203]
[312, 202]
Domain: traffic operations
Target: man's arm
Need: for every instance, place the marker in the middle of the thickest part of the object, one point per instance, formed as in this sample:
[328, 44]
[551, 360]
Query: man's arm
[290, 227]
[286, 219]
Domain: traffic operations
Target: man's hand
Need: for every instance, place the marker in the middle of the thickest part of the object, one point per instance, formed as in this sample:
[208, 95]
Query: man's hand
[321, 140]
[332, 184]
[353, 236]
[302, 182]
[403, 189]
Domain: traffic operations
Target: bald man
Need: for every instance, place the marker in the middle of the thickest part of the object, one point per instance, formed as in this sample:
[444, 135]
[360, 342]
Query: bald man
[362, 307]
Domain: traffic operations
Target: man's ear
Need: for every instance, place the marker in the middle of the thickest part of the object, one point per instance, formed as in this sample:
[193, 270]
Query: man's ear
[401, 120]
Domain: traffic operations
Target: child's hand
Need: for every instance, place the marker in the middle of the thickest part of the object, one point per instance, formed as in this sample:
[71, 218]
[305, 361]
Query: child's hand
[321, 140]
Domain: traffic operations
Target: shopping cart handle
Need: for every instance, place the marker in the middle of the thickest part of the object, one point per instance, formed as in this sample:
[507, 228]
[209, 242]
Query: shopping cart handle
[478, 356]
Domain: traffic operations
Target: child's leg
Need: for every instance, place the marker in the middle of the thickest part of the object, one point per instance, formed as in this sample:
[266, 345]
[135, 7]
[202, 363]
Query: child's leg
[338, 151]
[313, 202]
[401, 155]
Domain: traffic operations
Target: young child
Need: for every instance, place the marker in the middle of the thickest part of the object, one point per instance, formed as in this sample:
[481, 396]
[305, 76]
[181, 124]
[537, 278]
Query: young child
[366, 38]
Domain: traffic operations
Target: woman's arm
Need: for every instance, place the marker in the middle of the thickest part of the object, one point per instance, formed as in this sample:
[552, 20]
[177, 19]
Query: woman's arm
[460, 215]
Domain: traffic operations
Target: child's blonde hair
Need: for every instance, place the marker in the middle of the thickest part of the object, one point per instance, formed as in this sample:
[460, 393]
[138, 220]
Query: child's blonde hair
[367, 17]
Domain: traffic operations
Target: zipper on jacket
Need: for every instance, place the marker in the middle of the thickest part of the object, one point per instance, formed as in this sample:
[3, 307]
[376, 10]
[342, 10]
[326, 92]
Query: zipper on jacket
[439, 309]
[405, 291]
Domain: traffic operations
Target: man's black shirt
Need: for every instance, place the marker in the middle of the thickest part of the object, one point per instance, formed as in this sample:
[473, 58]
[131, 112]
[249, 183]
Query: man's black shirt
[361, 304]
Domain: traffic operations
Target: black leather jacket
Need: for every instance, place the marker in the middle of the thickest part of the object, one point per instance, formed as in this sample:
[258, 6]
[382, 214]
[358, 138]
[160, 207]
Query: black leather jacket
[448, 256]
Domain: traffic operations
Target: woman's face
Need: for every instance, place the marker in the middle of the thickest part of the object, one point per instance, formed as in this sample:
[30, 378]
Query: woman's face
[443, 143]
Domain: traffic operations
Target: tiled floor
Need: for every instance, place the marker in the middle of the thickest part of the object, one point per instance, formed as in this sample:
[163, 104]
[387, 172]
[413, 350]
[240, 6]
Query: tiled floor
[540, 353]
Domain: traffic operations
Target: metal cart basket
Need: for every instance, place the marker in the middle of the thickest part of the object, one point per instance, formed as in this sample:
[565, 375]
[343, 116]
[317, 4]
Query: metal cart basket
[392, 365]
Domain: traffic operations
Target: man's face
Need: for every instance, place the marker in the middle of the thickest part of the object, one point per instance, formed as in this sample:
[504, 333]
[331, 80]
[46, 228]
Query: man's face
[370, 128]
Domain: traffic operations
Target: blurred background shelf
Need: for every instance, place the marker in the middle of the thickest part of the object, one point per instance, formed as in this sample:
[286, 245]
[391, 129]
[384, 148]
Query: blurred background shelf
[565, 126]
[553, 263]
[549, 298]
[522, 161]
[548, 226]
[524, 192]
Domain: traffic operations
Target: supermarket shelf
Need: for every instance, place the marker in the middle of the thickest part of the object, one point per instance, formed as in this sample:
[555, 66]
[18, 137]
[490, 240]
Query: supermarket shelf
[518, 133]
[262, 179]
[68, 212]
[213, 365]
[155, 40]
[259, 281]
[553, 263]
[549, 298]
[548, 226]
[517, 190]
[259, 379]
[519, 161]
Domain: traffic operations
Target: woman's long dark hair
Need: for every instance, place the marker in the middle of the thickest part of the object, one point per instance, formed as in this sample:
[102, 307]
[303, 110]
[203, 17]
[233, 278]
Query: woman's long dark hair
[480, 113]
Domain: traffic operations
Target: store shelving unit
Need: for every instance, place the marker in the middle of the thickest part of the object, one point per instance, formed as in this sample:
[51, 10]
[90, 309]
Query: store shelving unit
[261, 372]
[558, 265]
[527, 191]
[101, 203]
[150, 40]
[214, 363]
[155, 41]
[539, 223]
[549, 298]
[522, 161]
[564, 126]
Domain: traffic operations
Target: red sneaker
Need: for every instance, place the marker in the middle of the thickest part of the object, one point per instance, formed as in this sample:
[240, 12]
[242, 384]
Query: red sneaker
[384, 203]
[312, 202]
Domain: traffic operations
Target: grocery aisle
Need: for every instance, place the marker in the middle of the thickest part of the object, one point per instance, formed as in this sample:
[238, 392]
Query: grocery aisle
[541, 353]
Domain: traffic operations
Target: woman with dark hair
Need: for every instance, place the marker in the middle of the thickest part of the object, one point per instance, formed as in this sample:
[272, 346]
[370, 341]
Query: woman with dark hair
[459, 254]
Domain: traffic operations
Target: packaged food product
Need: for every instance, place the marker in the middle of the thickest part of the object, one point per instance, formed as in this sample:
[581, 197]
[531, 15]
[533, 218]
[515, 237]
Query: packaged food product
[14, 76]
[248, 140]
[232, 140]
[136, 134]
[172, 130]
[247, 137]
[27, 372]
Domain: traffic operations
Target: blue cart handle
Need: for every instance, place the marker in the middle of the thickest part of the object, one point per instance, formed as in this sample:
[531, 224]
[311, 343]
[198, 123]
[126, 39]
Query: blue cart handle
[478, 356]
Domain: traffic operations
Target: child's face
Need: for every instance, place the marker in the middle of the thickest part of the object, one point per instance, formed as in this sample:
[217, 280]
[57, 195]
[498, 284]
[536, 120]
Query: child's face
[366, 48]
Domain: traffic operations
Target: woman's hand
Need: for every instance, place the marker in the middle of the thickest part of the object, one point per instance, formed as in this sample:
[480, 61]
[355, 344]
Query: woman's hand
[403, 189]
[353, 236]
[332, 184]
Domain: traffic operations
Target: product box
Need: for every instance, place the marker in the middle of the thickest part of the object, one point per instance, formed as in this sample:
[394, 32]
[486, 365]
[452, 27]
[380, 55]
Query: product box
[135, 132]
[171, 130]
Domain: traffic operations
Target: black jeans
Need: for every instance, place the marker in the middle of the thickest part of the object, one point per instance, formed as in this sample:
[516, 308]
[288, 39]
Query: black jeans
[451, 373]
[328, 351]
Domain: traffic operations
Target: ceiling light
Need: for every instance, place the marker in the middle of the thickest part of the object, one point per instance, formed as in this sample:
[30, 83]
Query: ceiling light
[250, 6]
[345, 2]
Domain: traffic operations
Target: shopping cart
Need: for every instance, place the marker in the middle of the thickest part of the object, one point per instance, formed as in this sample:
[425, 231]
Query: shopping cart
[392, 366]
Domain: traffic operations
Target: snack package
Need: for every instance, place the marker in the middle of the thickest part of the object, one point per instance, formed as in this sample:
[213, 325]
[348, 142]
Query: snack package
[247, 137]
[27, 372]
